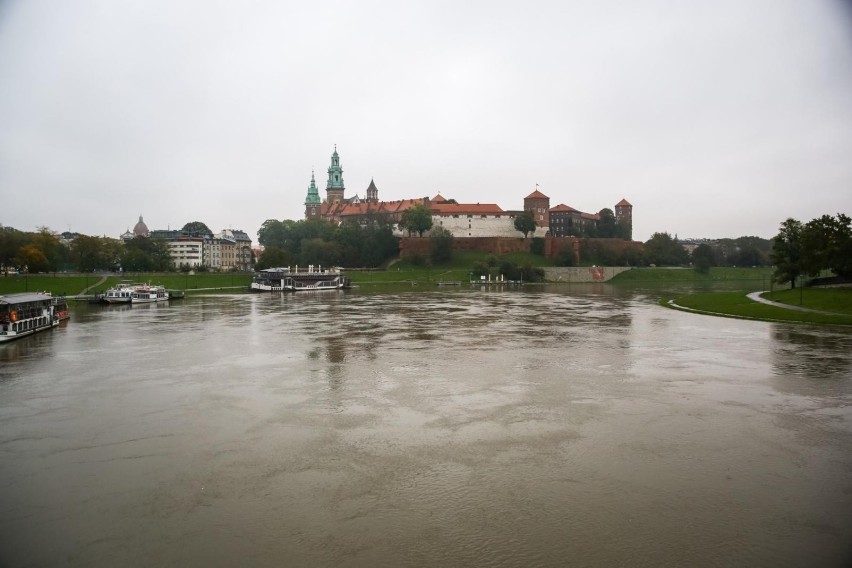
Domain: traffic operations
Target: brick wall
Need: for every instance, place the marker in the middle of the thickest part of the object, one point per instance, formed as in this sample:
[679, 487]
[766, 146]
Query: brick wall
[553, 246]
[412, 246]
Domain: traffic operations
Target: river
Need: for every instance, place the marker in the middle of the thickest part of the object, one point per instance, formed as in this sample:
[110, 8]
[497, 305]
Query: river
[552, 426]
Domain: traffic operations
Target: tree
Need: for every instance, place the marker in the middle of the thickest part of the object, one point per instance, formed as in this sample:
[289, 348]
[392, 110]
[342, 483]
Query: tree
[32, 258]
[87, 253]
[840, 258]
[703, 258]
[319, 251]
[11, 240]
[607, 228]
[525, 222]
[142, 254]
[442, 245]
[602, 253]
[272, 233]
[661, 249]
[787, 252]
[826, 243]
[197, 227]
[378, 245]
[273, 257]
[417, 219]
[47, 242]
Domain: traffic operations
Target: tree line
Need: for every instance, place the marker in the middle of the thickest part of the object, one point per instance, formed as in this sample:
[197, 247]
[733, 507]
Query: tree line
[806, 249]
[317, 241]
[44, 251]
[663, 249]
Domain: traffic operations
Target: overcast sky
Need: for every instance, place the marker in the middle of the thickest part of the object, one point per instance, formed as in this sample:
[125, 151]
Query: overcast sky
[714, 119]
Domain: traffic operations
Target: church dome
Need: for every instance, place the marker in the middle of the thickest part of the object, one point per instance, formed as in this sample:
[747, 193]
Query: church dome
[140, 229]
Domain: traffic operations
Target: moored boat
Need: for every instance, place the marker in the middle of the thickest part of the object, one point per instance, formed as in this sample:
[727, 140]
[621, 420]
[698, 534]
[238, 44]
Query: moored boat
[25, 314]
[295, 280]
[60, 308]
[148, 294]
[119, 294]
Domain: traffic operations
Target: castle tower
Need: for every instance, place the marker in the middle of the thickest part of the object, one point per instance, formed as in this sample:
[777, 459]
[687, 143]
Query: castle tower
[335, 188]
[624, 215]
[539, 204]
[312, 201]
[372, 193]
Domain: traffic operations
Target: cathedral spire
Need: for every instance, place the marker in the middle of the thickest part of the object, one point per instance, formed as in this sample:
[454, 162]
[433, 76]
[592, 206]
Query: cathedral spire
[335, 187]
[312, 201]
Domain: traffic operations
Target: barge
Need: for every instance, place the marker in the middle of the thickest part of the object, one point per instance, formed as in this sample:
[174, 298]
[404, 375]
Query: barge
[25, 314]
[312, 278]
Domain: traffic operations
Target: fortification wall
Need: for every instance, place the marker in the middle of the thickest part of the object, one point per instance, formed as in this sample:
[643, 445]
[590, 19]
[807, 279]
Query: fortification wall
[413, 246]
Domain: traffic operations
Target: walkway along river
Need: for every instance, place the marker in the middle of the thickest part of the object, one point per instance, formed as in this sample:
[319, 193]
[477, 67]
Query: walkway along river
[450, 428]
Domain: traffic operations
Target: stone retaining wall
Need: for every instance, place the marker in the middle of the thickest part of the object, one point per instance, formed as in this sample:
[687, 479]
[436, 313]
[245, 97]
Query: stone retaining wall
[582, 273]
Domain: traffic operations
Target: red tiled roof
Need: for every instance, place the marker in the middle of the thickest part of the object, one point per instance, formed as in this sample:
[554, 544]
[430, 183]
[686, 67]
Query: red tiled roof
[562, 207]
[465, 208]
[439, 197]
[623, 203]
[536, 195]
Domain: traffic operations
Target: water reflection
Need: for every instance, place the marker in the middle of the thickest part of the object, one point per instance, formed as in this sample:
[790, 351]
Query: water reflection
[817, 355]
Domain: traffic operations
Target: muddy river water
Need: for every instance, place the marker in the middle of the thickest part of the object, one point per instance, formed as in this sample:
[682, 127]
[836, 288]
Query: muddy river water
[543, 427]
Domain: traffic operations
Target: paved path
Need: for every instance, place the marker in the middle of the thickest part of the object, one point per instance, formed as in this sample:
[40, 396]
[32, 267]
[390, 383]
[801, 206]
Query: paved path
[756, 296]
[96, 284]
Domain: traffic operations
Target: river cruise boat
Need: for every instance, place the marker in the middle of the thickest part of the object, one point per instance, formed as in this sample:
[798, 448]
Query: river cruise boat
[312, 278]
[60, 308]
[148, 294]
[119, 294]
[25, 314]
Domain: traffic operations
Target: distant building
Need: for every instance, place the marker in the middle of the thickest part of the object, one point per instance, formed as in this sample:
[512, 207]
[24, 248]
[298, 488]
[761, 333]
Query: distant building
[236, 251]
[229, 250]
[186, 249]
[140, 229]
[566, 221]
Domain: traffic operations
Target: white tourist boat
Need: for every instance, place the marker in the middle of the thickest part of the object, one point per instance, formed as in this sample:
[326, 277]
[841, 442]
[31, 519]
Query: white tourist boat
[26, 314]
[312, 278]
[119, 294]
[147, 294]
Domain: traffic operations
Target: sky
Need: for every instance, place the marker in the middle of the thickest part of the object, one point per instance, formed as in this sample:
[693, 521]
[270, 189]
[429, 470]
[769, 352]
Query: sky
[714, 119]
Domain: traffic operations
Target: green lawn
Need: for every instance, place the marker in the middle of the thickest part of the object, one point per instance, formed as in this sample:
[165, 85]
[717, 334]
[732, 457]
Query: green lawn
[838, 300]
[736, 304]
[716, 274]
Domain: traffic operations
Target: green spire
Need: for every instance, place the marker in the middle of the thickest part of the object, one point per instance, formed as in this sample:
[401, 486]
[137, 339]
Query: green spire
[335, 173]
[313, 197]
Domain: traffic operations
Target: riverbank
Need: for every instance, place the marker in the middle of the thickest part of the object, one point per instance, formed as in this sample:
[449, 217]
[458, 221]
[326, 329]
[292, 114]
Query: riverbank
[76, 284]
[403, 273]
[818, 301]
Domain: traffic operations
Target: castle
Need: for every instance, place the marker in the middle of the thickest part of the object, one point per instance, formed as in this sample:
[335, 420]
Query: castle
[460, 219]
